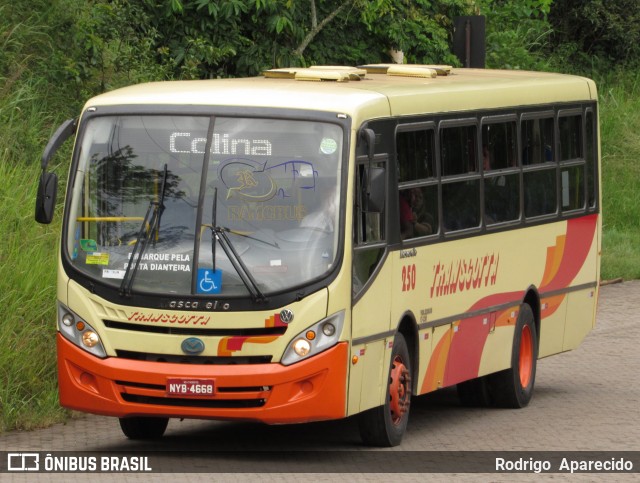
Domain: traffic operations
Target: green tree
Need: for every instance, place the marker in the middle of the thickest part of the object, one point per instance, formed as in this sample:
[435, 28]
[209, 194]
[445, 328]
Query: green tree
[222, 38]
[517, 33]
[587, 32]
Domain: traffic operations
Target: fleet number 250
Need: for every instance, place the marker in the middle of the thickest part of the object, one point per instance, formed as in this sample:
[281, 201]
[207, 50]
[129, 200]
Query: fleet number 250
[408, 278]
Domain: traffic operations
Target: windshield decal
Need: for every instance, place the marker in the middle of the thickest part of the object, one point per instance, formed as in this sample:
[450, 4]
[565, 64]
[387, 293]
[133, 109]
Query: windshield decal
[328, 146]
[166, 262]
[221, 145]
[88, 245]
[254, 181]
[116, 274]
[209, 281]
[97, 258]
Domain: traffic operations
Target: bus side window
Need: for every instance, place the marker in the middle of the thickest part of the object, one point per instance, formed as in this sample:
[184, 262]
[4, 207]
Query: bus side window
[460, 199]
[369, 226]
[418, 202]
[572, 179]
[540, 179]
[502, 189]
[590, 155]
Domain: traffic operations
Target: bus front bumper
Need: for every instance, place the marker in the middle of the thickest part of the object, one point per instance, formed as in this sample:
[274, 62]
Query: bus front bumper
[311, 390]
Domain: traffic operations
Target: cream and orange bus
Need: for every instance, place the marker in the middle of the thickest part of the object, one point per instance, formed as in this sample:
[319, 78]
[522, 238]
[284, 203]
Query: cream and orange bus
[323, 242]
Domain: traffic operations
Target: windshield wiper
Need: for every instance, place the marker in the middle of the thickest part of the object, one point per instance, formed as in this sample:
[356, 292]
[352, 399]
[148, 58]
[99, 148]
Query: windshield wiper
[152, 221]
[229, 230]
[219, 234]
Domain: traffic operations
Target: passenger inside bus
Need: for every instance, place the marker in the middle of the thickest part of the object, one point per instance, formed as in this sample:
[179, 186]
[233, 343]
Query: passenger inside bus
[415, 221]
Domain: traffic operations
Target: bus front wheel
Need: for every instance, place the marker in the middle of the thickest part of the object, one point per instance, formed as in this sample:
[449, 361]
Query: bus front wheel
[143, 427]
[513, 388]
[385, 425]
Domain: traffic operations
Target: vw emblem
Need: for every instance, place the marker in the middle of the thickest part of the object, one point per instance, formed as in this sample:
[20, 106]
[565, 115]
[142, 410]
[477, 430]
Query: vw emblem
[192, 346]
[286, 316]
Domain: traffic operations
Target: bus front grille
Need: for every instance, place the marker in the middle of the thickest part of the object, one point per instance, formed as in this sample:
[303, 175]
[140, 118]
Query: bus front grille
[194, 403]
[184, 359]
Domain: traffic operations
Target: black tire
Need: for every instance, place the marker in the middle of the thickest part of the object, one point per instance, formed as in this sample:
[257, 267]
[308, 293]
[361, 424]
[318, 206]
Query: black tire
[143, 427]
[513, 388]
[474, 393]
[385, 425]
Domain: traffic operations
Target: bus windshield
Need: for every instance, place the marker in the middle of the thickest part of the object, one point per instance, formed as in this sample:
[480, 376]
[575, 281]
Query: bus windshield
[269, 187]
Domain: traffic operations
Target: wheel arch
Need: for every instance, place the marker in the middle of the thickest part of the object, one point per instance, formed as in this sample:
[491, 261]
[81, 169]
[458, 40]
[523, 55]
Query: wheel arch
[409, 329]
[532, 298]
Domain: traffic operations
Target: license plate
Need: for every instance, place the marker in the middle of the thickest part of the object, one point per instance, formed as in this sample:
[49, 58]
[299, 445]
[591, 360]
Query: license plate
[190, 387]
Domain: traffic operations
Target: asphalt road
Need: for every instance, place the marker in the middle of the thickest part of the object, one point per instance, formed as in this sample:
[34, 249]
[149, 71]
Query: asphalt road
[585, 400]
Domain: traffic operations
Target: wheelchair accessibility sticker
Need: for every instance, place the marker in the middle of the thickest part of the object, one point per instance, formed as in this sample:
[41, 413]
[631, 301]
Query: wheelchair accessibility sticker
[209, 281]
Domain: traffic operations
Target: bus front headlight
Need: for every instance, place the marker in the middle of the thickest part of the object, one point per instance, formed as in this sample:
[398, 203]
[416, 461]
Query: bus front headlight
[315, 339]
[78, 332]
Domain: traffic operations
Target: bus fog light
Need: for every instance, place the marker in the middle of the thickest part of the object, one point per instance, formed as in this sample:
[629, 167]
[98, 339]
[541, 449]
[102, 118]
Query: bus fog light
[67, 320]
[328, 329]
[302, 347]
[90, 338]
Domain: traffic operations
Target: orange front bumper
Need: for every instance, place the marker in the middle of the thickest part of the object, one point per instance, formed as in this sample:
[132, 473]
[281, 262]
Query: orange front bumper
[311, 390]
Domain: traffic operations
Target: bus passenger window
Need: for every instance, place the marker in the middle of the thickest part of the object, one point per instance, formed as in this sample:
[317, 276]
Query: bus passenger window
[460, 199]
[415, 150]
[537, 141]
[570, 137]
[460, 205]
[540, 192]
[501, 189]
[418, 205]
[499, 145]
[502, 198]
[572, 179]
[458, 150]
[591, 172]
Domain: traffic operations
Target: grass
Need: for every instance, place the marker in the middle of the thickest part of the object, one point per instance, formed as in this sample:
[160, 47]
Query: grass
[29, 110]
[620, 139]
[28, 388]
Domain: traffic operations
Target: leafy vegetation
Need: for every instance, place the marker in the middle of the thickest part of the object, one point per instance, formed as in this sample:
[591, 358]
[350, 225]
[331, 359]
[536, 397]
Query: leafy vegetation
[228, 38]
[517, 33]
[54, 54]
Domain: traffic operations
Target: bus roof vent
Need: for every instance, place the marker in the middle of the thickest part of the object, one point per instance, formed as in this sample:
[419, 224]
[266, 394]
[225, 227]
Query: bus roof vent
[317, 73]
[407, 70]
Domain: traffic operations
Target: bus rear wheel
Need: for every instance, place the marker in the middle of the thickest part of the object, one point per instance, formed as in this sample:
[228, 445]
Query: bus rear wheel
[385, 425]
[143, 427]
[513, 388]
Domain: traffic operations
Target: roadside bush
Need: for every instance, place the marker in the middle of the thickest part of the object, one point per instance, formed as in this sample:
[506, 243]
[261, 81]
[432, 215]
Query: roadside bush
[596, 31]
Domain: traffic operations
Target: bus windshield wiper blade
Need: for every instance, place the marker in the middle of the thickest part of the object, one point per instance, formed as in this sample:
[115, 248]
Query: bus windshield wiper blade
[218, 234]
[229, 230]
[152, 221]
[238, 264]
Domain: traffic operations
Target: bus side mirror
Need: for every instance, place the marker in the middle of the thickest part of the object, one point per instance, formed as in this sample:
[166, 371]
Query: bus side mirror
[46, 197]
[48, 185]
[369, 137]
[64, 132]
[375, 175]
